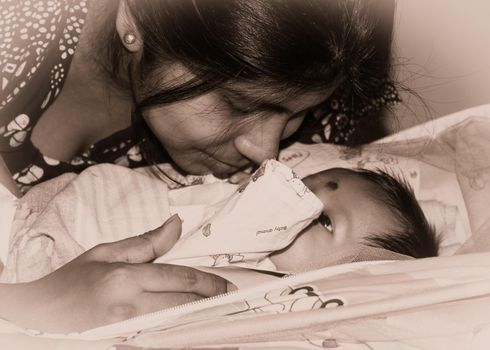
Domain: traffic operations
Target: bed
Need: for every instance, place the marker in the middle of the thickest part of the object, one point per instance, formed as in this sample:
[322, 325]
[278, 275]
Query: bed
[433, 303]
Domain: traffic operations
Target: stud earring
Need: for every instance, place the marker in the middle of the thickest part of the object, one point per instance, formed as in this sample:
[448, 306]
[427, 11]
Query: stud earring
[129, 38]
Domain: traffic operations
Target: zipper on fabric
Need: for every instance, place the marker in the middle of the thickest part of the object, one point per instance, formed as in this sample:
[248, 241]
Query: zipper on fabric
[164, 317]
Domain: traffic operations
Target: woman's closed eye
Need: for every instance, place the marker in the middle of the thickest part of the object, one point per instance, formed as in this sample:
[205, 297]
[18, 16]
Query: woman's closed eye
[325, 221]
[235, 109]
[246, 106]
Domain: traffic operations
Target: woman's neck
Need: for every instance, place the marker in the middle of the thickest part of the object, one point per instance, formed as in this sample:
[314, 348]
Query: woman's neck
[91, 106]
[92, 53]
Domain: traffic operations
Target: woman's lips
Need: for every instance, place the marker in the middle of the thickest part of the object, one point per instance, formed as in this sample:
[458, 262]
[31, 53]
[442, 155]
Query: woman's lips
[225, 169]
[233, 164]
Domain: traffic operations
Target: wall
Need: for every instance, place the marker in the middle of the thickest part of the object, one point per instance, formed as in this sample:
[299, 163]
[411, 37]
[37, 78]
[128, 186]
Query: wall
[442, 52]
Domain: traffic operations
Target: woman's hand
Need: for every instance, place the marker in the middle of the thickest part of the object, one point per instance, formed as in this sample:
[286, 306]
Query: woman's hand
[109, 283]
[240, 177]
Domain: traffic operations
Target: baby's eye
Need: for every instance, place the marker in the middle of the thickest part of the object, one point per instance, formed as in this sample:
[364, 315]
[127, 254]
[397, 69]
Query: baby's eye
[324, 220]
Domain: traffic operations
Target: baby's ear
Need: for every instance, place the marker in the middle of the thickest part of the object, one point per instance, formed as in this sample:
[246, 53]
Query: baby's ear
[127, 30]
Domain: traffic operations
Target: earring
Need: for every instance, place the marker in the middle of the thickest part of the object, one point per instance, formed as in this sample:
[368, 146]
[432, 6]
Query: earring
[129, 38]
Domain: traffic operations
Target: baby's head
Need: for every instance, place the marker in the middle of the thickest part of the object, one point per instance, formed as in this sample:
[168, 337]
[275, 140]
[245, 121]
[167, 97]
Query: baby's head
[361, 207]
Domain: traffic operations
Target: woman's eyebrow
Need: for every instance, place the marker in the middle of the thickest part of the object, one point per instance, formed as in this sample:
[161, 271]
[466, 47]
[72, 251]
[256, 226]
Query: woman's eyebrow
[255, 102]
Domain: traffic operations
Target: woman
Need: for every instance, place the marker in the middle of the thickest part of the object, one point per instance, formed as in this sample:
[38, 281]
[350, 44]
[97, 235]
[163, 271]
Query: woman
[210, 86]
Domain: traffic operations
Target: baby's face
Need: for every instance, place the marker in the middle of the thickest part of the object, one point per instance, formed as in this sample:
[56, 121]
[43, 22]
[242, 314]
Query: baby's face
[349, 214]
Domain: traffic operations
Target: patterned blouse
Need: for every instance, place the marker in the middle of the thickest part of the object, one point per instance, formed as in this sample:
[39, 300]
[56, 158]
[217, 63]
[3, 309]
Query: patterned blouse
[37, 42]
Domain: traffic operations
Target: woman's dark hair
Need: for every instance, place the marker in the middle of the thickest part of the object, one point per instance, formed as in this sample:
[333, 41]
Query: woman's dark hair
[290, 45]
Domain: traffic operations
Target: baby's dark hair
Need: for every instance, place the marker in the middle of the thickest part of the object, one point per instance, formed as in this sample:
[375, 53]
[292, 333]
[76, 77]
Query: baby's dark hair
[411, 234]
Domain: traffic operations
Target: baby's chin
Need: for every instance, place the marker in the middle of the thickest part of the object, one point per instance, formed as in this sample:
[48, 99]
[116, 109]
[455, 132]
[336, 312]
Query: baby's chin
[300, 267]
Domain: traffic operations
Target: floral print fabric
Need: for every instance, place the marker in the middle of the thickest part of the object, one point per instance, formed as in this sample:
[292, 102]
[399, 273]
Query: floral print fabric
[37, 42]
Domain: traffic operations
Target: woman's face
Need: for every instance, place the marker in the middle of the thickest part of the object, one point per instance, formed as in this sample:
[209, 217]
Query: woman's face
[228, 129]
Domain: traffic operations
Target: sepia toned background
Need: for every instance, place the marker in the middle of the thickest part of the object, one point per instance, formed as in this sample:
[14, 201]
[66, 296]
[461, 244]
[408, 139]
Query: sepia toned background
[442, 52]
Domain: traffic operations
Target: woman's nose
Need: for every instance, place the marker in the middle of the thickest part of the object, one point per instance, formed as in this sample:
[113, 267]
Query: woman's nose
[260, 141]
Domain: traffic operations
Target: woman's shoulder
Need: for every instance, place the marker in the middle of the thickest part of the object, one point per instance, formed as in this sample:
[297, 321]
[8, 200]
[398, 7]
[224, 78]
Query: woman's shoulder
[36, 47]
[39, 39]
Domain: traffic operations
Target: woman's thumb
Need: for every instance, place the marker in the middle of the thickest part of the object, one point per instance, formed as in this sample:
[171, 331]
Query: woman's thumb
[144, 248]
[164, 237]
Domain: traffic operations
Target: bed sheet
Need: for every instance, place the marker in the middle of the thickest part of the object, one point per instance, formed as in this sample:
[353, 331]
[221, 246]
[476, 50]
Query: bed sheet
[444, 160]
[441, 302]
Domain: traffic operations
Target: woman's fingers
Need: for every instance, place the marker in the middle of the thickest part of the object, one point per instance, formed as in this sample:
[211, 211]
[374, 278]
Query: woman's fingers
[148, 303]
[143, 248]
[172, 278]
[111, 282]
[149, 300]
[241, 176]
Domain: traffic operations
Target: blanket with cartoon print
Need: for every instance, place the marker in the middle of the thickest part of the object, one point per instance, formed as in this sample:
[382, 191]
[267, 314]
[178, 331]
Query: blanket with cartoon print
[223, 224]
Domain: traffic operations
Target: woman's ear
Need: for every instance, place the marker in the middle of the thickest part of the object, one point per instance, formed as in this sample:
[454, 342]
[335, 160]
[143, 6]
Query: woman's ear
[127, 30]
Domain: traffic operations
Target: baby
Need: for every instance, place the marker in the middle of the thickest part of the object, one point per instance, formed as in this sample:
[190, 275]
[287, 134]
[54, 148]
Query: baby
[361, 208]
[356, 209]
[274, 222]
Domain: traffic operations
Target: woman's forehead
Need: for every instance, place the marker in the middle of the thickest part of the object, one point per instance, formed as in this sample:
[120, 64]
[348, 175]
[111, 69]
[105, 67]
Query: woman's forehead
[292, 99]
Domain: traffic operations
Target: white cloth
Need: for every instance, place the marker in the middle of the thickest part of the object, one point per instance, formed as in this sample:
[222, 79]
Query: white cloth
[245, 226]
[223, 224]
[8, 205]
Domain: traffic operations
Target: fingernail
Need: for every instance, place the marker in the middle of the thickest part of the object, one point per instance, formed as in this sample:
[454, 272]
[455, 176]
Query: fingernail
[249, 170]
[173, 218]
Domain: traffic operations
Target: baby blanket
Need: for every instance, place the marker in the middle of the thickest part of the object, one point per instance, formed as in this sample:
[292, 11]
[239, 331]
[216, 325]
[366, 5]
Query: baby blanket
[223, 224]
